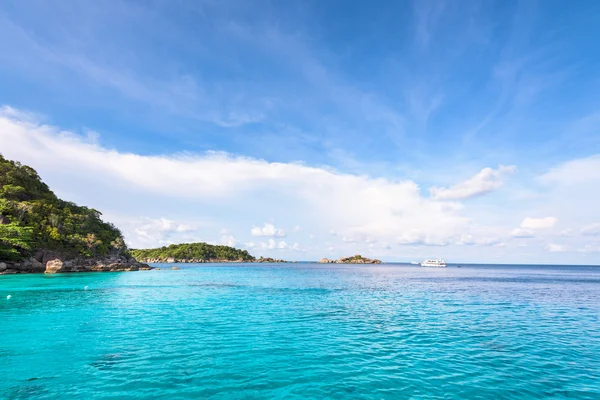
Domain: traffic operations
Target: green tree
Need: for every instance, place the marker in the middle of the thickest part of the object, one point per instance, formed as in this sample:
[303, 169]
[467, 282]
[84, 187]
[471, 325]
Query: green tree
[32, 218]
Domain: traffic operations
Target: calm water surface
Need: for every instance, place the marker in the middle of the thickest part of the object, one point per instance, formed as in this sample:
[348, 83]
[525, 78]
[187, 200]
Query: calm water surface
[303, 331]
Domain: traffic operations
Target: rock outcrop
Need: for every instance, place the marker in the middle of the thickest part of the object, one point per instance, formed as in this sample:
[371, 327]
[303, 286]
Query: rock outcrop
[54, 266]
[269, 260]
[54, 263]
[357, 259]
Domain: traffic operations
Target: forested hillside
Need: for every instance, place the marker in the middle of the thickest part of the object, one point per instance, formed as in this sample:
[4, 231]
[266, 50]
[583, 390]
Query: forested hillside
[192, 251]
[32, 218]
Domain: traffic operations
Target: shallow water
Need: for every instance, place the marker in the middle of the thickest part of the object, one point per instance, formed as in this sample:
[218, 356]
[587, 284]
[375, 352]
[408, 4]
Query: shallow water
[303, 331]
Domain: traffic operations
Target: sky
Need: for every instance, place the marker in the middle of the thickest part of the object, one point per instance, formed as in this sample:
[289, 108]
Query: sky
[467, 130]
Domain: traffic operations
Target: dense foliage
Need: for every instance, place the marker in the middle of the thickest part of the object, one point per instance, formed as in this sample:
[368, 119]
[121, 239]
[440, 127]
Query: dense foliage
[33, 218]
[357, 257]
[192, 251]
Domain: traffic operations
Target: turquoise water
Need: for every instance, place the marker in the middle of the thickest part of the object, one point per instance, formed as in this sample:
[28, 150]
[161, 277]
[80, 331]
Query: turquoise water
[303, 331]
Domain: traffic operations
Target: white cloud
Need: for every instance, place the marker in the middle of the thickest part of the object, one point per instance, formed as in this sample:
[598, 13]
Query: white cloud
[275, 245]
[271, 244]
[522, 233]
[591, 230]
[555, 248]
[267, 230]
[583, 170]
[485, 181]
[530, 225]
[350, 204]
[153, 232]
[470, 240]
[163, 225]
[538, 223]
[373, 212]
[228, 240]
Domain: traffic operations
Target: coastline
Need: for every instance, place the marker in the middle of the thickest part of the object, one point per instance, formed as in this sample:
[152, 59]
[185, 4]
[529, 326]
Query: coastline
[171, 260]
[52, 264]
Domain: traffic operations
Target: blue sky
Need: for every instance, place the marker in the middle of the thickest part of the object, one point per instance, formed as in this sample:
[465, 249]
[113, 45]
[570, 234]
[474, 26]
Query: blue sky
[462, 129]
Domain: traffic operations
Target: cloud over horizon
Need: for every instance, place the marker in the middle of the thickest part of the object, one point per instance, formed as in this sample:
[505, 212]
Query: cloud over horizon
[388, 216]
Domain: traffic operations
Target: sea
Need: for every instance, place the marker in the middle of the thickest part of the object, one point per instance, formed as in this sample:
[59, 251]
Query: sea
[303, 331]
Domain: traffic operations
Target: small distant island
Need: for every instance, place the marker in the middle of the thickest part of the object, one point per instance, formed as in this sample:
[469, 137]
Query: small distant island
[357, 259]
[41, 233]
[199, 252]
[192, 253]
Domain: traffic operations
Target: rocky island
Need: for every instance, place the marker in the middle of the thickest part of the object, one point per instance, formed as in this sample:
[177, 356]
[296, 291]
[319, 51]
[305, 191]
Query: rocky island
[357, 259]
[41, 233]
[269, 260]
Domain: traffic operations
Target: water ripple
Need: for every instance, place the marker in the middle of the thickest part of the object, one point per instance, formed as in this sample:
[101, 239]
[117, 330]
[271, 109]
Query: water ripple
[303, 332]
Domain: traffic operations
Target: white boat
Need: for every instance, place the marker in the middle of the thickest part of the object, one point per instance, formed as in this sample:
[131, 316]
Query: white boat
[439, 263]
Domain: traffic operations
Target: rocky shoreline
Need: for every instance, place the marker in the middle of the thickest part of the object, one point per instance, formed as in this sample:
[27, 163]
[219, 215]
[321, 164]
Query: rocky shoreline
[172, 260]
[53, 263]
[357, 259]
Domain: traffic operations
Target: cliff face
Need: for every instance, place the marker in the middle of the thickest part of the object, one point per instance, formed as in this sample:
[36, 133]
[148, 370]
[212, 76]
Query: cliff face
[357, 259]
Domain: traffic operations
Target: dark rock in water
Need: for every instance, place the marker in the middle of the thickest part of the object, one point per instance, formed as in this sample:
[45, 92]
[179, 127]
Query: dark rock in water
[44, 256]
[35, 265]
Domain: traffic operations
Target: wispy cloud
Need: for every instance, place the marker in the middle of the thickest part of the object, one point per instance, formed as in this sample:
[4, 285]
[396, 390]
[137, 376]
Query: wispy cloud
[428, 14]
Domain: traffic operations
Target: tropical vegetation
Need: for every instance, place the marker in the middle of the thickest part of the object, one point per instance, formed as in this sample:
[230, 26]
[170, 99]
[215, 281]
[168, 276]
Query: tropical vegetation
[192, 251]
[33, 218]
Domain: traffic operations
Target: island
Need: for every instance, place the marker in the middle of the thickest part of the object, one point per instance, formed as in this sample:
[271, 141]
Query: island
[198, 252]
[41, 233]
[357, 259]
[269, 260]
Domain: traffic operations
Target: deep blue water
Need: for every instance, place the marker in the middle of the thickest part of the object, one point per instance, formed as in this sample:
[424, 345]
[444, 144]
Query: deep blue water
[303, 331]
